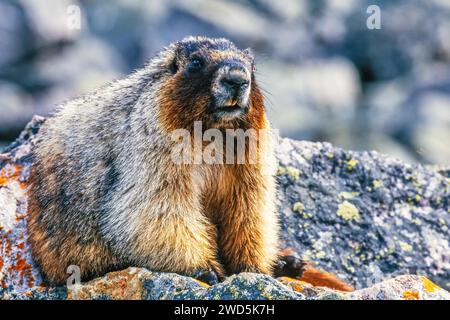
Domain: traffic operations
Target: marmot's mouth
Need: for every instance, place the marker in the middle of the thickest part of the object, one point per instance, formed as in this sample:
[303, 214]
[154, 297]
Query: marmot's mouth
[229, 111]
[230, 108]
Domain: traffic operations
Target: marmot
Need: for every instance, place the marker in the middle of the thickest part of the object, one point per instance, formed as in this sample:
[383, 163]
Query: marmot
[105, 193]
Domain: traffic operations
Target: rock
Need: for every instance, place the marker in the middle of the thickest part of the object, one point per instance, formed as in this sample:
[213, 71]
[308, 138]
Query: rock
[137, 284]
[400, 45]
[55, 29]
[88, 63]
[362, 215]
[416, 111]
[44, 62]
[365, 216]
[17, 271]
[403, 287]
[13, 26]
[306, 111]
[17, 108]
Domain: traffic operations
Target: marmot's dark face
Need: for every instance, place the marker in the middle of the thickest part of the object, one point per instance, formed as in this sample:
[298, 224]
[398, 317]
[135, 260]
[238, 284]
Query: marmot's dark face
[212, 81]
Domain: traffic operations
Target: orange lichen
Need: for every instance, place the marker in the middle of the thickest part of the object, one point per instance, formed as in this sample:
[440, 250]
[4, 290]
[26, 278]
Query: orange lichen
[9, 172]
[411, 295]
[8, 245]
[203, 284]
[428, 285]
[295, 284]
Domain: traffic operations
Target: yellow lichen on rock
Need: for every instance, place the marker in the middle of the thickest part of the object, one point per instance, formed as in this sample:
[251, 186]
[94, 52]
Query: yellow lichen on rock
[203, 284]
[429, 286]
[294, 173]
[298, 207]
[405, 246]
[377, 184]
[348, 211]
[320, 255]
[348, 195]
[352, 163]
[280, 171]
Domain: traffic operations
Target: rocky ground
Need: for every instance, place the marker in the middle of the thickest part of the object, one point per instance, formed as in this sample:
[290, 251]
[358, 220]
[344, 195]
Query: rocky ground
[378, 223]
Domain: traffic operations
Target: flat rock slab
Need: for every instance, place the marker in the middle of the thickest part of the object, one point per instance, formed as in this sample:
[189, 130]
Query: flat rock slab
[365, 216]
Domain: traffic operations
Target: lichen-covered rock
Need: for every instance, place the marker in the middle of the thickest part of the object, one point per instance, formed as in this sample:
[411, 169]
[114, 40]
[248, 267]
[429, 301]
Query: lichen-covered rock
[17, 271]
[365, 216]
[362, 215]
[406, 287]
[137, 284]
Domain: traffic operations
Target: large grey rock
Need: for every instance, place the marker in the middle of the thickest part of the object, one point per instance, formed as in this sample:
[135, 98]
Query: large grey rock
[365, 216]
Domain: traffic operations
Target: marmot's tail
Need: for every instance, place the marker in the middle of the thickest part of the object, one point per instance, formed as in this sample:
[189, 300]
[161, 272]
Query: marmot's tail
[320, 278]
[290, 265]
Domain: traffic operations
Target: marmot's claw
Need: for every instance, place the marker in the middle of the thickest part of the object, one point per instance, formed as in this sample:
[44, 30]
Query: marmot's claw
[206, 276]
[289, 266]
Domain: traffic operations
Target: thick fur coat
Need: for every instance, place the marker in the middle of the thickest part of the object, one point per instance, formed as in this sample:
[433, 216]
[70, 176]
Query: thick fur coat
[105, 193]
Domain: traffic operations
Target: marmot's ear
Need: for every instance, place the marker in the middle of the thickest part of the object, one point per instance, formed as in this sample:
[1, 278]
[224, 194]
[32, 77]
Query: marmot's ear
[174, 63]
[173, 66]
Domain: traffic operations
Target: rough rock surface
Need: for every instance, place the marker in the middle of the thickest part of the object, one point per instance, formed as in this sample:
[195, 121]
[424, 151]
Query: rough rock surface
[362, 215]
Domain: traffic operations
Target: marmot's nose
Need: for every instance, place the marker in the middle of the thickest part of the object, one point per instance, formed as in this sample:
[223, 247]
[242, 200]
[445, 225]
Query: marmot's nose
[234, 81]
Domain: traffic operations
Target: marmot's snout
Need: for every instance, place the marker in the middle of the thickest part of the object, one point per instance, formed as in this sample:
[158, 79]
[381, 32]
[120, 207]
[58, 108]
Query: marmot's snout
[231, 89]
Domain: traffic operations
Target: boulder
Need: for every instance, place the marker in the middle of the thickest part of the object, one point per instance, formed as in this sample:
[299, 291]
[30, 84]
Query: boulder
[377, 222]
[366, 216]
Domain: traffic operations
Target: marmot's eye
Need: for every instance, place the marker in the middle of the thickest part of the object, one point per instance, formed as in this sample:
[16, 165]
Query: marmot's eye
[195, 64]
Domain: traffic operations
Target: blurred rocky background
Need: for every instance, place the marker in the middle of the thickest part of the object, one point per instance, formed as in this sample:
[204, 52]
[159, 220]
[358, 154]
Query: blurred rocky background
[327, 76]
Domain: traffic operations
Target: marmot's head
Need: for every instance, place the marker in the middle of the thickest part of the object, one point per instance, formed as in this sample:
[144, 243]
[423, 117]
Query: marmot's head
[209, 80]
